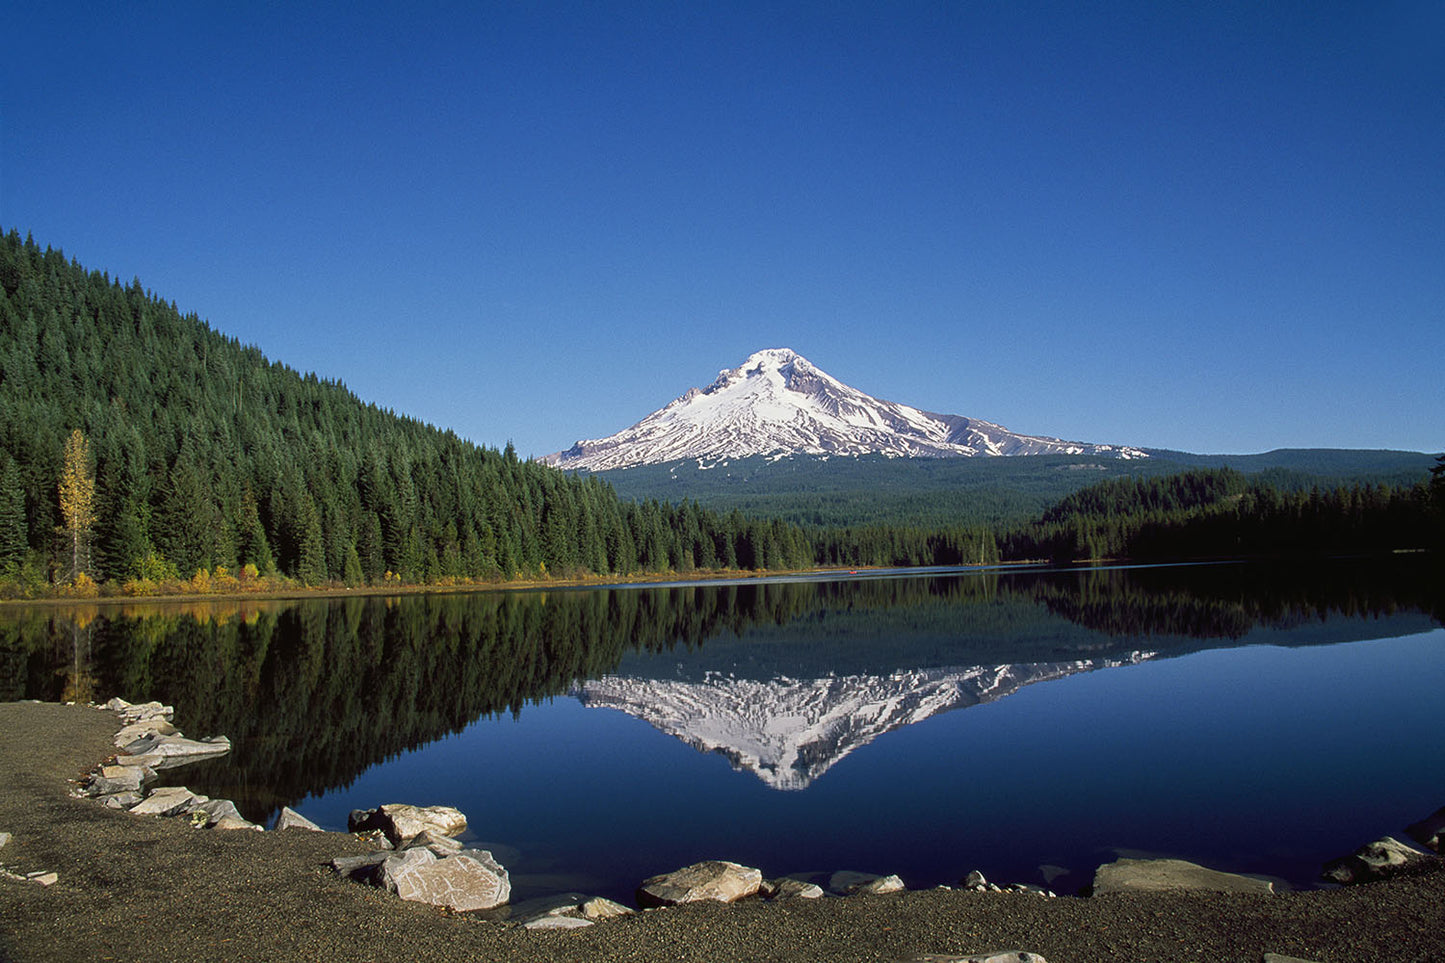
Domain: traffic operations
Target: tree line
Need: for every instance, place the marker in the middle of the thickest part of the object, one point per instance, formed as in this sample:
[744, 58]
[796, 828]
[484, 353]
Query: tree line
[1221, 513]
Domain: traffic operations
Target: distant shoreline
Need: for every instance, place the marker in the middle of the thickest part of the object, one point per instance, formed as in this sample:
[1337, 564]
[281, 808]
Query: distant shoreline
[697, 577]
[300, 593]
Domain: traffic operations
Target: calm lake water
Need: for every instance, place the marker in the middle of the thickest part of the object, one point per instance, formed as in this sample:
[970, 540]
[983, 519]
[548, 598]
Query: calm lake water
[1028, 723]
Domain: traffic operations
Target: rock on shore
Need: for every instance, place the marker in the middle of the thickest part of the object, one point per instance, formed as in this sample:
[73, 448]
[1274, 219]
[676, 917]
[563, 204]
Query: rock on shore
[713, 879]
[401, 823]
[1155, 875]
[1384, 857]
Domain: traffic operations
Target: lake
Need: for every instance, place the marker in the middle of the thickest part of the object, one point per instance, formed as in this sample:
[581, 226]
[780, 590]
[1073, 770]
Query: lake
[1029, 723]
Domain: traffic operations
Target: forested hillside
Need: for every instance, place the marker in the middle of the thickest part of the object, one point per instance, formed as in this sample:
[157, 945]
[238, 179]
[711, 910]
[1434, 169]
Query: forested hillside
[997, 493]
[201, 454]
[1221, 513]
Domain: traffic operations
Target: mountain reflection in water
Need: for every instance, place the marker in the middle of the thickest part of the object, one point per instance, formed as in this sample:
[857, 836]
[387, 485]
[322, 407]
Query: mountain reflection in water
[788, 732]
[313, 693]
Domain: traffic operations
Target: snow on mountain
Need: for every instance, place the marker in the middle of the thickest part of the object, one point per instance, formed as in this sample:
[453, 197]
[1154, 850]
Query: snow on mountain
[788, 732]
[778, 403]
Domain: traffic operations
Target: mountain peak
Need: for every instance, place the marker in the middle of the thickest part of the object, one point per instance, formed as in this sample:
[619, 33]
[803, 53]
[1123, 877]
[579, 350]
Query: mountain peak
[778, 403]
[779, 364]
[772, 356]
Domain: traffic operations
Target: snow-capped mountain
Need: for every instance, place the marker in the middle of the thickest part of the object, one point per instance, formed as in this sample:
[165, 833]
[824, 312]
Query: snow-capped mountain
[777, 403]
[788, 732]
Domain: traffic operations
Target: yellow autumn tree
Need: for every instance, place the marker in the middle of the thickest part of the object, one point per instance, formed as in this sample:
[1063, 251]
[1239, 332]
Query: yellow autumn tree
[77, 502]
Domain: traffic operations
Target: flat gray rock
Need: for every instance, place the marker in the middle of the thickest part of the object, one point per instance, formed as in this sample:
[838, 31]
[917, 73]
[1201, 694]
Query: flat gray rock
[169, 751]
[786, 888]
[574, 906]
[851, 883]
[557, 923]
[1162, 875]
[139, 713]
[1280, 958]
[223, 810]
[168, 801]
[159, 726]
[437, 843]
[291, 819]
[116, 779]
[360, 868]
[601, 908]
[470, 880]
[565, 904]
[155, 743]
[713, 879]
[883, 884]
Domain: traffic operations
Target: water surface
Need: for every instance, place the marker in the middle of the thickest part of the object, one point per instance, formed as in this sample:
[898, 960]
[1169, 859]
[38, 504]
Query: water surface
[1031, 724]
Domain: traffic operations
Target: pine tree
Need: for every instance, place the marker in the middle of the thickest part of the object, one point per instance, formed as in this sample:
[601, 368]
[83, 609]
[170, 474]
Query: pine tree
[311, 563]
[14, 537]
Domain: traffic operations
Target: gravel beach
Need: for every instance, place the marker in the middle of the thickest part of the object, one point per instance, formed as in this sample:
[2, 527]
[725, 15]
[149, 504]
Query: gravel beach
[139, 888]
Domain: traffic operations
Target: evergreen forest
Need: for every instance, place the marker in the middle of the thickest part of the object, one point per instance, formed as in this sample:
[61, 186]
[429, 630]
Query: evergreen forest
[1222, 513]
[191, 458]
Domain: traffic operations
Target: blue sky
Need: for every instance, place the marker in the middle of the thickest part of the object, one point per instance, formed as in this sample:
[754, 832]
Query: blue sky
[1210, 226]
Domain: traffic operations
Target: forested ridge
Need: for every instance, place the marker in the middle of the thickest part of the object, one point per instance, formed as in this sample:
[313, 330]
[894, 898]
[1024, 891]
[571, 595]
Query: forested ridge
[1223, 513]
[208, 461]
[996, 493]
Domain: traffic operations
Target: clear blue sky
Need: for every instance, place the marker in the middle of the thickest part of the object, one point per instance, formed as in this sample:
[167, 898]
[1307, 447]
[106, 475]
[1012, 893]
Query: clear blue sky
[1215, 226]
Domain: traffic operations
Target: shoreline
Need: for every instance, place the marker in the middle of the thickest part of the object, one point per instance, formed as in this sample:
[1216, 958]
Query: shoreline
[135, 888]
[653, 579]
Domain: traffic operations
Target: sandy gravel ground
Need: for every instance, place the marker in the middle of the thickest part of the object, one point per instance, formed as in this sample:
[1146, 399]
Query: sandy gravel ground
[144, 889]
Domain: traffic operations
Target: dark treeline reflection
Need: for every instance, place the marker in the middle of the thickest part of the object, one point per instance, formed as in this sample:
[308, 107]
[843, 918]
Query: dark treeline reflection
[312, 693]
[1229, 601]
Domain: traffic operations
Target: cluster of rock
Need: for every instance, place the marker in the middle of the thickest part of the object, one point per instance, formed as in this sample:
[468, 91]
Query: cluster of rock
[568, 911]
[1387, 856]
[727, 882]
[976, 883]
[149, 743]
[421, 861]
